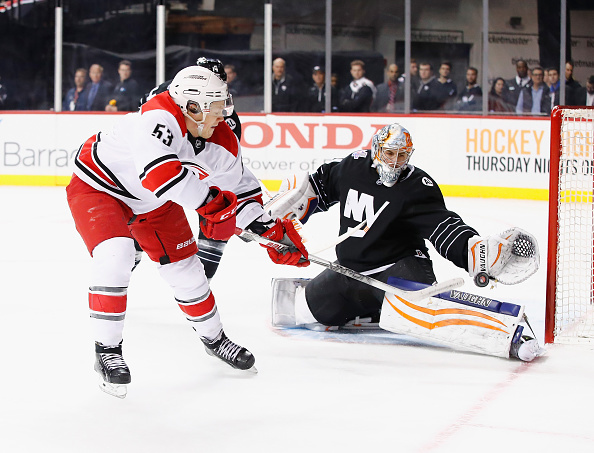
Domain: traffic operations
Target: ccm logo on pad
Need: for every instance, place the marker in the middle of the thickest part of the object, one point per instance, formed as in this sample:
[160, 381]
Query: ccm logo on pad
[228, 214]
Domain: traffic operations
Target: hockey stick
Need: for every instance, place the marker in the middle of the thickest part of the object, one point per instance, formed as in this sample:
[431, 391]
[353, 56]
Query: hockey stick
[342, 237]
[412, 296]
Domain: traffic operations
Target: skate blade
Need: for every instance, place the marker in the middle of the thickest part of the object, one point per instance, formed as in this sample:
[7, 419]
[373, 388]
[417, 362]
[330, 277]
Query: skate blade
[117, 390]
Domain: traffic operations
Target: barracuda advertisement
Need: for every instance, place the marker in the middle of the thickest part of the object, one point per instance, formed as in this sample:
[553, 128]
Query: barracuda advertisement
[500, 157]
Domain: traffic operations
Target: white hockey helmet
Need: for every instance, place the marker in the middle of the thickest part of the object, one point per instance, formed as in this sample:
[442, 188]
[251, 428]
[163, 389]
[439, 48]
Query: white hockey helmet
[397, 139]
[195, 88]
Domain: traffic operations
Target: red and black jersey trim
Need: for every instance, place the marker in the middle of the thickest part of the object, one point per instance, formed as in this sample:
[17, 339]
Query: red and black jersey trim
[201, 171]
[87, 160]
[255, 194]
[162, 174]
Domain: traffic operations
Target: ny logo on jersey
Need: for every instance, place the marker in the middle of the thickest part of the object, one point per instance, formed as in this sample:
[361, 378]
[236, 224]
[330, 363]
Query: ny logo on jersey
[356, 205]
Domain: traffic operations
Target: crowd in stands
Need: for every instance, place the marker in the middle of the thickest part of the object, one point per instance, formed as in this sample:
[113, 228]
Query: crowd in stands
[533, 91]
[98, 94]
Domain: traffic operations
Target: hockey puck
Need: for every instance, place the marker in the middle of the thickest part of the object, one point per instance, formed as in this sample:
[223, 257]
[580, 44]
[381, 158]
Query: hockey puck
[481, 279]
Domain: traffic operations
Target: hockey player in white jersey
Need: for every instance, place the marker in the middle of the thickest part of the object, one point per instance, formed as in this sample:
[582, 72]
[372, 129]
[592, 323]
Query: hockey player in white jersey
[403, 207]
[133, 183]
[210, 251]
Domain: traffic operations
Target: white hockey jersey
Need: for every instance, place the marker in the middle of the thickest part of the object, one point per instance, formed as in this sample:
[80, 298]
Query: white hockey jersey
[147, 160]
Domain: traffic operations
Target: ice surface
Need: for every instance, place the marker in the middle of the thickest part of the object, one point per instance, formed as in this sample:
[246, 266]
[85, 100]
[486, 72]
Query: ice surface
[310, 394]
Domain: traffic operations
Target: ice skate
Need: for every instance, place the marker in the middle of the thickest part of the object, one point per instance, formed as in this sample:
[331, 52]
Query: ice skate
[526, 349]
[113, 371]
[230, 353]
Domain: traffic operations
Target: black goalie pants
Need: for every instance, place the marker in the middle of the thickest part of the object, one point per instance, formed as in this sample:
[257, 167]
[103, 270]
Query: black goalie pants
[334, 299]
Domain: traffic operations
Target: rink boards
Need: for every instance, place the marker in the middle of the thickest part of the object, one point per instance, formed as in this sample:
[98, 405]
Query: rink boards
[501, 157]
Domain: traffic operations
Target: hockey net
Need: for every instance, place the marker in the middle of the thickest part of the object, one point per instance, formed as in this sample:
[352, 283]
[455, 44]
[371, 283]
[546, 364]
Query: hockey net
[570, 262]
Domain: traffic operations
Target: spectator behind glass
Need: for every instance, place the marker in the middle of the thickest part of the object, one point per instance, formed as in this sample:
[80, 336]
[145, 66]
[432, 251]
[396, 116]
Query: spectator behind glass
[499, 96]
[554, 85]
[471, 97]
[358, 95]
[572, 86]
[316, 95]
[74, 94]
[234, 85]
[534, 97]
[3, 96]
[427, 95]
[285, 92]
[126, 94]
[516, 84]
[97, 93]
[334, 80]
[390, 94]
[447, 87]
[585, 95]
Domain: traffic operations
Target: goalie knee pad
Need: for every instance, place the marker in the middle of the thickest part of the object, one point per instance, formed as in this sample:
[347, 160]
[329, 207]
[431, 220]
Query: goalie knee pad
[289, 307]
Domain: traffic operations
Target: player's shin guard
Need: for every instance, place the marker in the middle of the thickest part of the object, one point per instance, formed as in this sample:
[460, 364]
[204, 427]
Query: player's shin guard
[210, 253]
[107, 307]
[457, 319]
[203, 315]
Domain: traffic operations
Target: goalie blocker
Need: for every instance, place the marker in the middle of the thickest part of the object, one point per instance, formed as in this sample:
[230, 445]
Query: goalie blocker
[455, 318]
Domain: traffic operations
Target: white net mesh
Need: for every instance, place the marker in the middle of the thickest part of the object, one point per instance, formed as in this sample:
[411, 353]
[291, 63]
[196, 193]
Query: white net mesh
[574, 309]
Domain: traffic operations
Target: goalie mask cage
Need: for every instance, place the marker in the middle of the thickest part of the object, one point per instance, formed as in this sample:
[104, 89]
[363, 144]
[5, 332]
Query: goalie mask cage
[569, 314]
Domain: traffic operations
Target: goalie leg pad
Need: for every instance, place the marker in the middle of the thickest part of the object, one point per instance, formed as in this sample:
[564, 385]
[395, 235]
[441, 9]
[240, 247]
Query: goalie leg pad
[286, 294]
[453, 324]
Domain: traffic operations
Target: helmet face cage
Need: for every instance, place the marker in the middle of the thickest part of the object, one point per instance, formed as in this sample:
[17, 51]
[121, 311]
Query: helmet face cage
[196, 89]
[397, 139]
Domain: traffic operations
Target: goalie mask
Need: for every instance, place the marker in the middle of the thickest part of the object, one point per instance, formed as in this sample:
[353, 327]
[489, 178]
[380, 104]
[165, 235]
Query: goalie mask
[391, 149]
[197, 89]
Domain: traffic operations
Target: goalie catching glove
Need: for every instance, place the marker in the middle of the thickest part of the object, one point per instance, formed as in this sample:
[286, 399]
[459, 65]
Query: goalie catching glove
[284, 232]
[510, 257]
[218, 214]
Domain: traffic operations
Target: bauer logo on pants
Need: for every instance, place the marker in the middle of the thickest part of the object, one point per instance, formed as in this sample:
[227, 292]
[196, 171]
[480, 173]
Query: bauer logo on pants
[185, 243]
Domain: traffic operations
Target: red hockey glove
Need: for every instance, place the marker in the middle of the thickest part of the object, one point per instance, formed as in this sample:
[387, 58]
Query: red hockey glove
[218, 215]
[284, 232]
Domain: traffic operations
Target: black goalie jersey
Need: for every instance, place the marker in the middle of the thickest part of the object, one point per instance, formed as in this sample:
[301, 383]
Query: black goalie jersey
[399, 218]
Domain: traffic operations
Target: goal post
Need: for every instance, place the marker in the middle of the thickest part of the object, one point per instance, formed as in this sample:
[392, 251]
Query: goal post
[569, 316]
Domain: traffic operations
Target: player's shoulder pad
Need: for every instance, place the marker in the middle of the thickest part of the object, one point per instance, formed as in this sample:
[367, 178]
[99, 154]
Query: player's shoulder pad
[164, 102]
[224, 136]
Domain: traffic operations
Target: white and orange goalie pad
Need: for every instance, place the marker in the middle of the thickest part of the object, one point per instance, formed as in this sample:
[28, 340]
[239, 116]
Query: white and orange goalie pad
[296, 199]
[456, 319]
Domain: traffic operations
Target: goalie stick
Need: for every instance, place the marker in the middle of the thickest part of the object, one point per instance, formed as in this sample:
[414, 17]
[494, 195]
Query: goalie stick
[412, 296]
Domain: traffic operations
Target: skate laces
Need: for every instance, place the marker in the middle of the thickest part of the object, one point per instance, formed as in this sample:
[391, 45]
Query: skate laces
[228, 350]
[113, 361]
